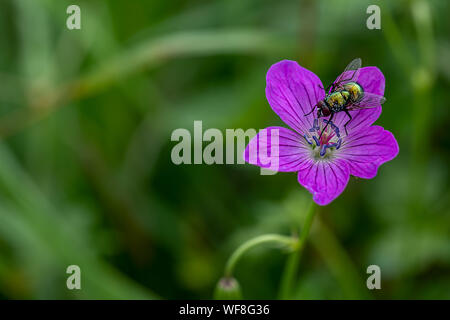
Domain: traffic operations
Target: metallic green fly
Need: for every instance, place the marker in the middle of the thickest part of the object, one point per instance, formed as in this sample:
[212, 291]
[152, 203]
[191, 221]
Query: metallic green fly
[346, 94]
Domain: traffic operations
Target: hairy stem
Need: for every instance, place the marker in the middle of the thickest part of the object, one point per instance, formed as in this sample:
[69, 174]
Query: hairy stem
[285, 241]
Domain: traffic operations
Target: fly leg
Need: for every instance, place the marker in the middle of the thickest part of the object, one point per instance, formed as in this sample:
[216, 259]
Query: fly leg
[307, 114]
[328, 122]
[330, 87]
[345, 125]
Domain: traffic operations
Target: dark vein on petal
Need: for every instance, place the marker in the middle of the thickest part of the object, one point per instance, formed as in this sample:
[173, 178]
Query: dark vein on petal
[335, 176]
[300, 122]
[295, 111]
[325, 178]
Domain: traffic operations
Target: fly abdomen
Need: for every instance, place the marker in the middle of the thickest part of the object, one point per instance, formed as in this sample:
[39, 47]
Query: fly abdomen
[355, 91]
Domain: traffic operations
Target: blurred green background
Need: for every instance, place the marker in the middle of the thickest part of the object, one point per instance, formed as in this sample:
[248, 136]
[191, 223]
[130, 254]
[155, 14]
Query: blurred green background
[86, 176]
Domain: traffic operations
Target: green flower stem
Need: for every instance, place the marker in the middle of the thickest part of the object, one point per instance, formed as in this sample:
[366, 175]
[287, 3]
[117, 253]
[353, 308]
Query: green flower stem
[293, 261]
[266, 238]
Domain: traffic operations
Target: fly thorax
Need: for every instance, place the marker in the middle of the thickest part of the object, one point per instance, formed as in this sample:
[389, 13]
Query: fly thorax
[323, 147]
[336, 99]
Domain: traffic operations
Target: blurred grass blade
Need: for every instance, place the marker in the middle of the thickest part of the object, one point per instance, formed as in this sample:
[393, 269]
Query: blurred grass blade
[153, 52]
[31, 225]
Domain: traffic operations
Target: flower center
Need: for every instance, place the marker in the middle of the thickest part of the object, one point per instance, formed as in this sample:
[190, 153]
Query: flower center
[324, 145]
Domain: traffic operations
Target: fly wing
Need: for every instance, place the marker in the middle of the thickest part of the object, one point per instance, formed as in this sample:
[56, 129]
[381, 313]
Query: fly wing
[369, 100]
[350, 74]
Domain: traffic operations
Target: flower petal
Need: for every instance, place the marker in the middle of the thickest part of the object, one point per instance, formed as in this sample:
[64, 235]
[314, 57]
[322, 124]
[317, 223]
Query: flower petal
[372, 80]
[277, 149]
[324, 179]
[366, 150]
[292, 91]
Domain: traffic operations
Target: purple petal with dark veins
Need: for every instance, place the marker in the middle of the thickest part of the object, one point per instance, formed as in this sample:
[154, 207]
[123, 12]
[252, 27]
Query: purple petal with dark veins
[324, 179]
[292, 91]
[277, 149]
[366, 150]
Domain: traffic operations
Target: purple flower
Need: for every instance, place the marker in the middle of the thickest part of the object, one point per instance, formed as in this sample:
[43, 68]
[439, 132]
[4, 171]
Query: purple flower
[324, 166]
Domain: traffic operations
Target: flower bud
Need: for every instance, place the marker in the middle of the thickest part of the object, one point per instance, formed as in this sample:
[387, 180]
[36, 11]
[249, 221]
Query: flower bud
[228, 289]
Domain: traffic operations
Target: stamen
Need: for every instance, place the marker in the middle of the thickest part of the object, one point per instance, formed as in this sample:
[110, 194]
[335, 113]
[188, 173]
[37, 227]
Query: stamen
[316, 140]
[315, 126]
[323, 150]
[331, 137]
[306, 138]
